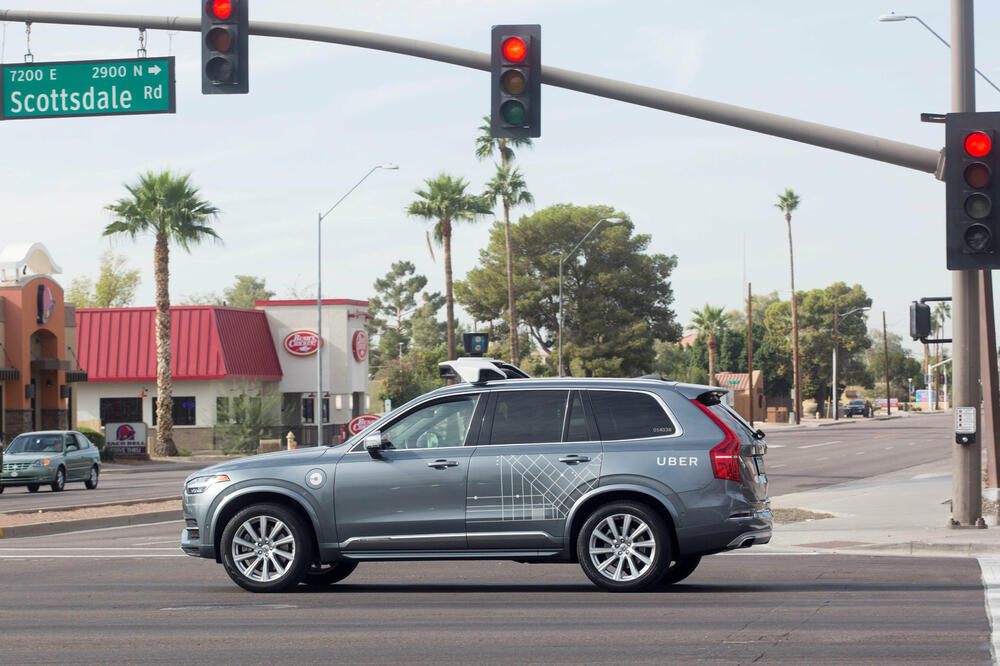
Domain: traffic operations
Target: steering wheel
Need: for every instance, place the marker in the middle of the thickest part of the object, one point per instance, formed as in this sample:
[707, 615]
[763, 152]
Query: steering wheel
[428, 440]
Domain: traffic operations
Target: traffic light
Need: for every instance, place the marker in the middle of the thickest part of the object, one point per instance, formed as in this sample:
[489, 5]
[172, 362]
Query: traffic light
[920, 320]
[225, 31]
[971, 159]
[516, 75]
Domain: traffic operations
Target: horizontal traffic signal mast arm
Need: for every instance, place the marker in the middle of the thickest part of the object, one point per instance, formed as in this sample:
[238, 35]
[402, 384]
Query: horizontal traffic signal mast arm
[824, 136]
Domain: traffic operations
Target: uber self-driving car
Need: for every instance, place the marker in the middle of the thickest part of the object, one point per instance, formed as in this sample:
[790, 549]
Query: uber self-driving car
[634, 479]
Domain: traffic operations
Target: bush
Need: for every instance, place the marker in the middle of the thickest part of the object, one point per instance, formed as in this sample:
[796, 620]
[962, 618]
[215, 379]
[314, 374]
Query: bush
[181, 451]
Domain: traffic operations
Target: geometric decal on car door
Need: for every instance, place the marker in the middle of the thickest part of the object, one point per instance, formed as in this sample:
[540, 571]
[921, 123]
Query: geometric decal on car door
[536, 487]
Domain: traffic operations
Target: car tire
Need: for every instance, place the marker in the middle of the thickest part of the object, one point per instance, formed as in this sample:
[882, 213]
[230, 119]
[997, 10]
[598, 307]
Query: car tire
[60, 481]
[328, 574]
[32, 487]
[261, 539]
[679, 570]
[92, 480]
[624, 547]
[1, 490]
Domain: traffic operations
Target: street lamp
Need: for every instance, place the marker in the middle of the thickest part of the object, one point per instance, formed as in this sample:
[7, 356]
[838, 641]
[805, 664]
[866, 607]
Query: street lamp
[609, 220]
[833, 388]
[895, 18]
[318, 403]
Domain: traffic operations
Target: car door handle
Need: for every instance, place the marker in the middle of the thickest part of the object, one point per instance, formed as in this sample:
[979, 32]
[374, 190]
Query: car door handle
[572, 459]
[441, 464]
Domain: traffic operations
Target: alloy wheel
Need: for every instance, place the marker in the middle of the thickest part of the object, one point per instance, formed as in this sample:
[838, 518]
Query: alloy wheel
[263, 548]
[622, 547]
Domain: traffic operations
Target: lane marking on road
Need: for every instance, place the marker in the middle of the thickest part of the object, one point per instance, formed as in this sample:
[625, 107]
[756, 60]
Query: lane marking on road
[823, 458]
[777, 466]
[991, 587]
[775, 446]
[860, 453]
[229, 607]
[889, 448]
[813, 446]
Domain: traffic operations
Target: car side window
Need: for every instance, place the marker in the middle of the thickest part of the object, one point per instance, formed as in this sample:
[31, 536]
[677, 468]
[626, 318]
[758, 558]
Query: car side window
[576, 420]
[629, 415]
[82, 441]
[442, 423]
[528, 417]
[71, 444]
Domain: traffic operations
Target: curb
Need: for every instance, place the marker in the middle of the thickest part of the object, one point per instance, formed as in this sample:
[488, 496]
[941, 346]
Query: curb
[43, 529]
[52, 509]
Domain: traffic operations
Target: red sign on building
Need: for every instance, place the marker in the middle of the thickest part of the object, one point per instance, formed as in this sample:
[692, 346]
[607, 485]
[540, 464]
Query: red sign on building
[359, 423]
[301, 343]
[359, 343]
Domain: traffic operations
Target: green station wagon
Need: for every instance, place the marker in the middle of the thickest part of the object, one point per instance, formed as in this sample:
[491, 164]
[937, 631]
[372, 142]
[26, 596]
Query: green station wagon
[50, 458]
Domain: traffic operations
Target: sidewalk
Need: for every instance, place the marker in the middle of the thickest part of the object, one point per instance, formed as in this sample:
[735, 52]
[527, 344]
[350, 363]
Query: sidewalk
[902, 513]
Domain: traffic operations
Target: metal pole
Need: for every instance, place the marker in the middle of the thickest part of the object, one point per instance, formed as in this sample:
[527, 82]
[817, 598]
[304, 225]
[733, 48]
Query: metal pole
[991, 423]
[833, 390]
[752, 391]
[885, 355]
[966, 507]
[824, 136]
[560, 315]
[317, 404]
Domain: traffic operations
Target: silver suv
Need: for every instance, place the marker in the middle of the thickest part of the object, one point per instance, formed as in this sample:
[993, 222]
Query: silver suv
[634, 479]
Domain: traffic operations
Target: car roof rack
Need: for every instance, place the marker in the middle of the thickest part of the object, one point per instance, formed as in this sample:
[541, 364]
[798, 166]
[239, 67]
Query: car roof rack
[479, 370]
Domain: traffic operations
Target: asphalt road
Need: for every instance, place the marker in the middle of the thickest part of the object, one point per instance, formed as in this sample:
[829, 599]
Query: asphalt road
[807, 458]
[126, 483]
[127, 595]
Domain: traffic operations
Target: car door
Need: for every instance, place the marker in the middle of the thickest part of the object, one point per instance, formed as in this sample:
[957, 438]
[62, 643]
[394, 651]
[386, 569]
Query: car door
[538, 453]
[412, 498]
[73, 457]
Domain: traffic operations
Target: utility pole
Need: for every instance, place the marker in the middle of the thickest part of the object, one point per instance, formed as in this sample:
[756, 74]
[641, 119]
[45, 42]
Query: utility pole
[966, 484]
[750, 386]
[834, 393]
[885, 357]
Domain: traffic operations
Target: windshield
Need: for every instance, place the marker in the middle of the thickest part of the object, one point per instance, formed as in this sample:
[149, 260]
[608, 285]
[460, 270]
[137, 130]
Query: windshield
[36, 444]
[857, 402]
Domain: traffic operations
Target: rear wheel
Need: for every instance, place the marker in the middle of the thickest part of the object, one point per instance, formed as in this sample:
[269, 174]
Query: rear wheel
[1, 490]
[91, 481]
[60, 481]
[680, 569]
[328, 574]
[624, 547]
[266, 548]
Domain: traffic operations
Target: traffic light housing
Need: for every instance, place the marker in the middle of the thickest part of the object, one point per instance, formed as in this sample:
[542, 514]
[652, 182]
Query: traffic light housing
[972, 185]
[516, 77]
[920, 320]
[225, 31]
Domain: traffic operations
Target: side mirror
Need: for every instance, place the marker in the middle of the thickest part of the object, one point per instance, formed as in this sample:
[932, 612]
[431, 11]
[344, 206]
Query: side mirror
[759, 434]
[374, 445]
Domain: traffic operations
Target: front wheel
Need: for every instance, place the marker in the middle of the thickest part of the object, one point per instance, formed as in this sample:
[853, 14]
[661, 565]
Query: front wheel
[60, 481]
[680, 569]
[328, 574]
[266, 548]
[91, 481]
[32, 487]
[624, 547]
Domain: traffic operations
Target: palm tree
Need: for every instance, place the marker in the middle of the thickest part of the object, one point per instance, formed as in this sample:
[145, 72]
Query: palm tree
[167, 207]
[445, 200]
[709, 322]
[508, 187]
[485, 145]
[787, 203]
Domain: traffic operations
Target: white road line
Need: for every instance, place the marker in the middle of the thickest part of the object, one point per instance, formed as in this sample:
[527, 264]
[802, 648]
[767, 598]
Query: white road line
[775, 446]
[991, 587]
[813, 446]
[860, 453]
[888, 447]
[776, 466]
[823, 458]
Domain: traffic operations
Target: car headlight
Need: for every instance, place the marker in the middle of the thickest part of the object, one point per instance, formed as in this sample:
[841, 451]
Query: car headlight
[200, 484]
[41, 462]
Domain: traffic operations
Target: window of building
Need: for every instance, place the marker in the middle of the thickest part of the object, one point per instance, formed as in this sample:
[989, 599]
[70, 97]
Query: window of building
[120, 410]
[528, 417]
[629, 415]
[309, 410]
[183, 411]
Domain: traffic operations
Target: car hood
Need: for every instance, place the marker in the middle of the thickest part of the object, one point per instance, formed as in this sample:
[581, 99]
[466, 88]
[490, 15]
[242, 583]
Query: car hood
[293, 457]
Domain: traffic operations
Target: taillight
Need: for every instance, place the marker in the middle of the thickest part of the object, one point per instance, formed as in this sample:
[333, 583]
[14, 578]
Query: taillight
[725, 455]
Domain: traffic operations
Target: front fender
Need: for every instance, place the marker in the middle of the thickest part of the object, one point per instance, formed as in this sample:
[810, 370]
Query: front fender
[275, 486]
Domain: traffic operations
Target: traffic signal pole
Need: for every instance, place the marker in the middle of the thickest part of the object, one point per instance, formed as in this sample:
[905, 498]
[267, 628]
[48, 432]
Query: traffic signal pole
[966, 485]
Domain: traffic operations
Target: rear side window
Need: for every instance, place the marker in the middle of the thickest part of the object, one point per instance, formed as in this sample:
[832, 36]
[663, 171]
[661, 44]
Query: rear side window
[528, 417]
[629, 415]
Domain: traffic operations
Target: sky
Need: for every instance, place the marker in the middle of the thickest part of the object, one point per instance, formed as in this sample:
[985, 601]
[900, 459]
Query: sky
[319, 116]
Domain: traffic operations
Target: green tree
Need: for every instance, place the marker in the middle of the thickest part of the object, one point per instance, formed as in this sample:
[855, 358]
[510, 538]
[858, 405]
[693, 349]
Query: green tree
[428, 332]
[169, 208]
[391, 308]
[486, 144]
[902, 366]
[787, 203]
[242, 420]
[115, 287]
[616, 297]
[710, 323]
[246, 291]
[508, 187]
[445, 200]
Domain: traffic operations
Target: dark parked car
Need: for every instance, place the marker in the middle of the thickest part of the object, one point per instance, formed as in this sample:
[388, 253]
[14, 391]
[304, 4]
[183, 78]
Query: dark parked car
[859, 407]
[634, 479]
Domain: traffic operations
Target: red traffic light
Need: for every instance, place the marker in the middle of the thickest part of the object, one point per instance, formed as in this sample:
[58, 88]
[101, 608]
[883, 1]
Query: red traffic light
[978, 144]
[514, 49]
[222, 8]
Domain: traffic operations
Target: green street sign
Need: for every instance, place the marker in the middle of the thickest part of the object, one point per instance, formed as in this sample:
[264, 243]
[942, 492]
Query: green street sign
[87, 88]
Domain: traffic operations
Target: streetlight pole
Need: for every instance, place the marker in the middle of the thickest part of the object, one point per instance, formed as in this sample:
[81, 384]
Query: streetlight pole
[609, 220]
[834, 403]
[318, 403]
